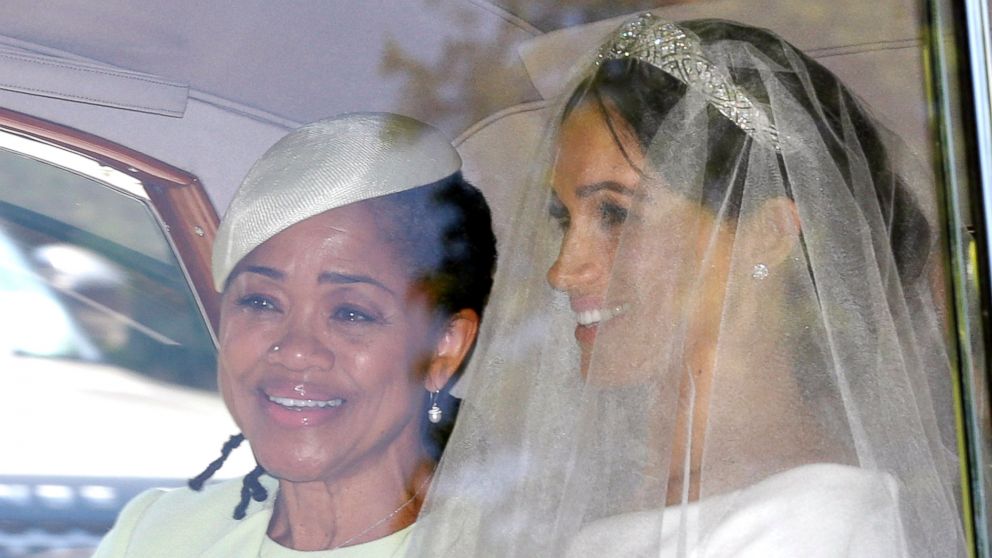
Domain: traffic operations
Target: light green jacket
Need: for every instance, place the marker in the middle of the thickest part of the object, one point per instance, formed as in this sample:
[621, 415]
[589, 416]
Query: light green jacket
[182, 523]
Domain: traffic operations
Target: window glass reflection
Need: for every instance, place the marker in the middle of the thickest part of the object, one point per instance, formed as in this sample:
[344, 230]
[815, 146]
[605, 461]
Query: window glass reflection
[92, 278]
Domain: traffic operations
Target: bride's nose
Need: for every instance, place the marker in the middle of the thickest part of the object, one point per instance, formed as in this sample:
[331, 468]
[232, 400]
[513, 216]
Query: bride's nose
[580, 263]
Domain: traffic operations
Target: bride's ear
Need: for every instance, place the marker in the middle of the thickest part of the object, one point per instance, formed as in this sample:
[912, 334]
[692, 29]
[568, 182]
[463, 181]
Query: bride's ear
[771, 233]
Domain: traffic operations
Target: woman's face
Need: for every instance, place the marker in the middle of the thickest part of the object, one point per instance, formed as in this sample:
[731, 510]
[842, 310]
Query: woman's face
[643, 267]
[323, 346]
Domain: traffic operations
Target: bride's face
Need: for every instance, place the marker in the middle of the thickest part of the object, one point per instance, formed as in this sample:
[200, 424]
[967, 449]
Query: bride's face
[644, 267]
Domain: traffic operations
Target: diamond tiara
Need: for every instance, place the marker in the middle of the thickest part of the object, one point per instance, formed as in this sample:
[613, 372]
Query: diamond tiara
[677, 52]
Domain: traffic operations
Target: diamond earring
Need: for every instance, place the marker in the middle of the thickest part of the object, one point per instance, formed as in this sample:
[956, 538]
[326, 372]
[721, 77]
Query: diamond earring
[759, 272]
[434, 413]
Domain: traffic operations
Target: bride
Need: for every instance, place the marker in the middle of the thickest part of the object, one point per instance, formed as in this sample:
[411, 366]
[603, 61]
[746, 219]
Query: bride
[741, 351]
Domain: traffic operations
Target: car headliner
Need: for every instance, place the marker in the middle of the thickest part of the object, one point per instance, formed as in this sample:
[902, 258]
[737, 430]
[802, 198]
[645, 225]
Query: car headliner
[207, 88]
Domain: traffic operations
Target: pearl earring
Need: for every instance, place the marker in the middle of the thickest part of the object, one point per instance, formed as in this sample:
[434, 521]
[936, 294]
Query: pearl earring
[434, 413]
[274, 349]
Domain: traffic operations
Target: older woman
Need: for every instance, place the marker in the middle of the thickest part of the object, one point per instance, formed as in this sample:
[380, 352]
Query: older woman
[354, 263]
[739, 354]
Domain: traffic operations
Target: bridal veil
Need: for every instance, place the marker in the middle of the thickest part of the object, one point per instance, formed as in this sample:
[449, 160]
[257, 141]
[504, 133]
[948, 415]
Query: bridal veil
[717, 324]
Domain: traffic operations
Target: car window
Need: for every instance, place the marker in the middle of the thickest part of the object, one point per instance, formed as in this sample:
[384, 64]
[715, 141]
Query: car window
[100, 261]
[107, 361]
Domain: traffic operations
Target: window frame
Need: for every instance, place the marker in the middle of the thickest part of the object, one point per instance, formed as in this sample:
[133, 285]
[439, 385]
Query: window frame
[176, 197]
[959, 49]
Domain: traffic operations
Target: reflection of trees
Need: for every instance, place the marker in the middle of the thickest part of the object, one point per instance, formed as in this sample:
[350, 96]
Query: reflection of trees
[548, 15]
[455, 93]
[479, 71]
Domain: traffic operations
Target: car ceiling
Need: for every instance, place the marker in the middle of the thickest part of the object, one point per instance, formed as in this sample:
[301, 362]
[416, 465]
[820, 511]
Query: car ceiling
[208, 86]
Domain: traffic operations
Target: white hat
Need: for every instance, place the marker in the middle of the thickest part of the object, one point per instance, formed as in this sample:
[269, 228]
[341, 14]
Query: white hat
[328, 164]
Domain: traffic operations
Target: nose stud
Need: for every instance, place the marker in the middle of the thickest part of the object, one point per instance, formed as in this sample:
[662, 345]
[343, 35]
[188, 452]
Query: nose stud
[299, 356]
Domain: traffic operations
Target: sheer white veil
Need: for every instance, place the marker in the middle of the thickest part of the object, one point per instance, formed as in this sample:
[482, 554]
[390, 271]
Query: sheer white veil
[770, 367]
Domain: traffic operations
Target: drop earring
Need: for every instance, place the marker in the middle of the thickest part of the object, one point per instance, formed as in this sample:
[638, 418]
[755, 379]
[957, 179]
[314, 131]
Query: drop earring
[434, 413]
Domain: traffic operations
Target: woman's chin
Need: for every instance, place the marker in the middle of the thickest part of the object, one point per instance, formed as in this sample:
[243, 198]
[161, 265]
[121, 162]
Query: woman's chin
[297, 470]
[294, 459]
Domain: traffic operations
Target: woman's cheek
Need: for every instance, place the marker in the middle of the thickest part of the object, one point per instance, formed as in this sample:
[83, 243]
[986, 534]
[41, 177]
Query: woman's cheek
[243, 343]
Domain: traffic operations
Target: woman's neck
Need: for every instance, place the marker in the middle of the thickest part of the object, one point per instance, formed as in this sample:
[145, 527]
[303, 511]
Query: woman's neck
[366, 504]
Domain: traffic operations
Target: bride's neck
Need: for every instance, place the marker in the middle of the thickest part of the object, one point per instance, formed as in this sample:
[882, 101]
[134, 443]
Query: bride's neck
[750, 419]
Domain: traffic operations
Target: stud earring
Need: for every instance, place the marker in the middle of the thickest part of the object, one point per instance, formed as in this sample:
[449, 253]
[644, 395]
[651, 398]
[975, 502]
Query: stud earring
[274, 349]
[759, 272]
[434, 413]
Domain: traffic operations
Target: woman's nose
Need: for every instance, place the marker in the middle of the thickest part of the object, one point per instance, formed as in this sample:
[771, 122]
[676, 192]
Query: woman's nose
[301, 348]
[579, 263]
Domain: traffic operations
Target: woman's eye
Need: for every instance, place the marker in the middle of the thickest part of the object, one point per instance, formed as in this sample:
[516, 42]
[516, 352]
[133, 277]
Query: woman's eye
[257, 302]
[351, 315]
[612, 214]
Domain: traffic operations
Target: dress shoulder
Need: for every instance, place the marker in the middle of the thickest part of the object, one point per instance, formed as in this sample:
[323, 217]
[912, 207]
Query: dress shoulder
[115, 543]
[181, 522]
[820, 510]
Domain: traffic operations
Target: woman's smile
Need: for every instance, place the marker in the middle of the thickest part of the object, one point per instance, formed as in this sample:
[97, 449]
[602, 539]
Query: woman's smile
[301, 404]
[300, 396]
[288, 412]
[301, 407]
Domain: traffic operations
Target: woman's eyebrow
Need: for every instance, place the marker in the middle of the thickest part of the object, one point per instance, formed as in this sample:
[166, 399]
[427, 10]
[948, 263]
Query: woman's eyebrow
[589, 189]
[338, 278]
[269, 272]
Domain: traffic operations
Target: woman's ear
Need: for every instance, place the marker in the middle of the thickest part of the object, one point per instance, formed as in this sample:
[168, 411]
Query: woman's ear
[452, 346]
[772, 232]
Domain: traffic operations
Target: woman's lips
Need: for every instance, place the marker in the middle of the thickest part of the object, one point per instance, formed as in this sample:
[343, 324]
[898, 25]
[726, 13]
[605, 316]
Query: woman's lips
[300, 404]
[301, 410]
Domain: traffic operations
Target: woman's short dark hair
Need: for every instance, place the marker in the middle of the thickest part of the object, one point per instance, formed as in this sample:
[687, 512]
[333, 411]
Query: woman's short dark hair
[641, 96]
[444, 233]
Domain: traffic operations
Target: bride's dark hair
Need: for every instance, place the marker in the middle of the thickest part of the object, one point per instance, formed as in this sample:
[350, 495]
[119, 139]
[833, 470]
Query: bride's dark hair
[635, 98]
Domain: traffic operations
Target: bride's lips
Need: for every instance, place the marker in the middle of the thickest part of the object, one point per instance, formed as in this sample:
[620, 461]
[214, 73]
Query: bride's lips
[296, 405]
[590, 314]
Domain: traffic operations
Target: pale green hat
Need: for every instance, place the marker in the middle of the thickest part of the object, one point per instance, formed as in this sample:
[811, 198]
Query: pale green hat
[328, 164]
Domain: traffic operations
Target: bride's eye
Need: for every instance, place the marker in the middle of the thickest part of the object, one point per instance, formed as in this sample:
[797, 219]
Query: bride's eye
[612, 214]
[559, 213]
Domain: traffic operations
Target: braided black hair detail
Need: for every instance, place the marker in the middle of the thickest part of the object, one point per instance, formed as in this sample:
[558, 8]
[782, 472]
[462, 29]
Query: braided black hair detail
[196, 483]
[251, 489]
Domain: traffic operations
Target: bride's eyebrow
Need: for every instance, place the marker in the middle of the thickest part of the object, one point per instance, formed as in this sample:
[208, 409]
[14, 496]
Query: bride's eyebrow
[609, 185]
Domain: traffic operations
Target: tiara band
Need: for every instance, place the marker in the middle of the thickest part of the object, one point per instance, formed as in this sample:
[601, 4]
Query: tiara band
[677, 52]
